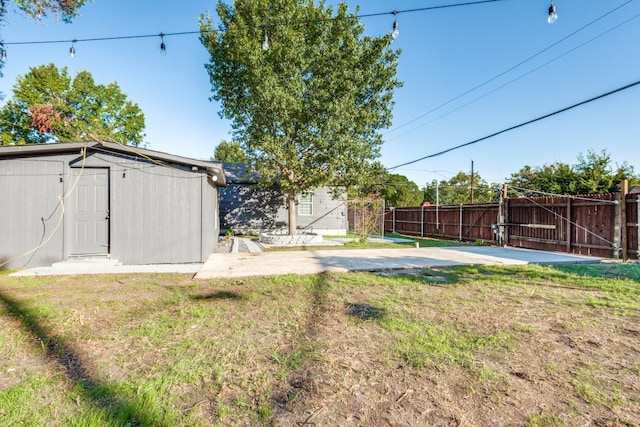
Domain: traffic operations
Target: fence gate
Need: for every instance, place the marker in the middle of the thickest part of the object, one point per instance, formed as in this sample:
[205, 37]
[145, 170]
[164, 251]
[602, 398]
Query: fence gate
[366, 216]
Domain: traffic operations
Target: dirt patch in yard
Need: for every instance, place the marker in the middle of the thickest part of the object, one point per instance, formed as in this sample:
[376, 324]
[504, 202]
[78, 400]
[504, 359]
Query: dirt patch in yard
[532, 346]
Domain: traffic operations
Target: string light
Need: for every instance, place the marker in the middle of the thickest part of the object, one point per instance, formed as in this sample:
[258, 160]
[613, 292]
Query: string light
[396, 26]
[163, 47]
[553, 16]
[265, 41]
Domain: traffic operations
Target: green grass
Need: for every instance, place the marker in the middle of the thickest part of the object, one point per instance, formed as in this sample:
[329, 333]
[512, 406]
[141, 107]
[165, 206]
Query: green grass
[164, 350]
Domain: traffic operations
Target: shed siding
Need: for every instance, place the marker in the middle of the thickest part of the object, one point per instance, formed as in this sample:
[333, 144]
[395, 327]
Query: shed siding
[158, 214]
[30, 211]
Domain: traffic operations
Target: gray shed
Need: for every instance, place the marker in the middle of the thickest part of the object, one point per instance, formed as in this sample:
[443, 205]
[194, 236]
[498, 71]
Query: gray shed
[88, 199]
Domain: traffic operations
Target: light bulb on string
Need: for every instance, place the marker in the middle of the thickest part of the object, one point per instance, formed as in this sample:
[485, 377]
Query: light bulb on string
[553, 15]
[265, 41]
[163, 47]
[396, 26]
[72, 50]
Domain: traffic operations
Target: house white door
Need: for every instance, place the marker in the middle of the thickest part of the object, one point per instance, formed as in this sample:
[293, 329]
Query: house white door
[90, 212]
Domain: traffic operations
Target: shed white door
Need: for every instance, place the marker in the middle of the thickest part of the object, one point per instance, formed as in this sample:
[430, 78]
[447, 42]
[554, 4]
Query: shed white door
[90, 208]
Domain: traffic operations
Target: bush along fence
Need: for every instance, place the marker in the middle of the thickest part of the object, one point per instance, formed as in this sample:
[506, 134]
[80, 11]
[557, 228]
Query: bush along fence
[604, 225]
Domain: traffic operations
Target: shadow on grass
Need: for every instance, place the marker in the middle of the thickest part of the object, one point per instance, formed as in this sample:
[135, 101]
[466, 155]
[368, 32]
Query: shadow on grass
[304, 350]
[365, 311]
[116, 411]
[219, 295]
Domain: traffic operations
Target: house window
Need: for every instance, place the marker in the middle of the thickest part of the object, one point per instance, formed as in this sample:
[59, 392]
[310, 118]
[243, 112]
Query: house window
[305, 204]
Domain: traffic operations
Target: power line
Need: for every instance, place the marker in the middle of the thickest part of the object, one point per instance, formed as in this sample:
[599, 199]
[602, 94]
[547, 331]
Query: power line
[546, 116]
[514, 79]
[540, 52]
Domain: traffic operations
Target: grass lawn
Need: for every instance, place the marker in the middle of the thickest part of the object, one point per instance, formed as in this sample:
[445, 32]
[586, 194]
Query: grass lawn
[516, 346]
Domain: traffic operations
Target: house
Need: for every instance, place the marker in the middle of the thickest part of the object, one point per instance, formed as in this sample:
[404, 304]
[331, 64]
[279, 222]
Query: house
[87, 199]
[247, 209]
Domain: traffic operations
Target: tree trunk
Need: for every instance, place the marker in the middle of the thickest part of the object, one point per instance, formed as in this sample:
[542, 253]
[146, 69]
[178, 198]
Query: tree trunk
[291, 206]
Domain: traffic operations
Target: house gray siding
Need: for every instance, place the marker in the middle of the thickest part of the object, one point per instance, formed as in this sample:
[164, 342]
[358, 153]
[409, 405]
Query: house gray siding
[244, 208]
[329, 214]
[159, 211]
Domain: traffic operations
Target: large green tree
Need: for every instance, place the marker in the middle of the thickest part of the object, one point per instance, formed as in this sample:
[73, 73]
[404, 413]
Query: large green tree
[457, 190]
[49, 105]
[592, 174]
[306, 92]
[401, 192]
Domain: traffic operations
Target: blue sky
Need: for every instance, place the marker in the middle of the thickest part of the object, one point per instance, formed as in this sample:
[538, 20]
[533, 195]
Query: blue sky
[445, 53]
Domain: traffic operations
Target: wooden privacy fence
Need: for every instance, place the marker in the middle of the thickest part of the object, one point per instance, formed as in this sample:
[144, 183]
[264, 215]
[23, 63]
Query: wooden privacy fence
[601, 225]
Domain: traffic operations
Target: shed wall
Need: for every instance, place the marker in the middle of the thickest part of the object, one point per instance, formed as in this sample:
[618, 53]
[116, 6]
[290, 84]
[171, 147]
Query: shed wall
[158, 214]
[31, 212]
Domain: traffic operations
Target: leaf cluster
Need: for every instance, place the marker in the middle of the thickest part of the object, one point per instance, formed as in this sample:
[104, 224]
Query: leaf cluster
[49, 105]
[457, 190]
[592, 174]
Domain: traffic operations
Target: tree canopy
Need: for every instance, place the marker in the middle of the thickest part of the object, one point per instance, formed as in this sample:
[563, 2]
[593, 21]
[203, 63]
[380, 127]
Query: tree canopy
[39, 9]
[592, 174]
[306, 92]
[457, 190]
[49, 105]
[400, 192]
[229, 152]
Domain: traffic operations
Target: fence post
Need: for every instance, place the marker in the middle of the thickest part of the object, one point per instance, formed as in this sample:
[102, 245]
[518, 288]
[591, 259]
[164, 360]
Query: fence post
[384, 217]
[422, 222]
[460, 228]
[501, 229]
[624, 190]
[393, 220]
[568, 224]
[617, 227]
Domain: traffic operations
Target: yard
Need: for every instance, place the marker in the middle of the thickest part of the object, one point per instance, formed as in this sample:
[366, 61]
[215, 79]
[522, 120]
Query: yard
[524, 346]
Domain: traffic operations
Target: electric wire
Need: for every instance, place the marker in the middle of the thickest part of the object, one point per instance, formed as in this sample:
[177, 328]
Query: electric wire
[546, 116]
[181, 33]
[615, 202]
[535, 55]
[514, 79]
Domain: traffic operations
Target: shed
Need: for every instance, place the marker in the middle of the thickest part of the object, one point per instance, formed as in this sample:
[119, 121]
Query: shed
[246, 207]
[66, 201]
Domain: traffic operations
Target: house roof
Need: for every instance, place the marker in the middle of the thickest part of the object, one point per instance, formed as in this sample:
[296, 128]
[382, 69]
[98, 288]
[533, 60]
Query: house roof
[240, 173]
[214, 169]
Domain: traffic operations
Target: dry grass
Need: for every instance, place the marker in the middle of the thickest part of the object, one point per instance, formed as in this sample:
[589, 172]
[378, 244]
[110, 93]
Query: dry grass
[535, 346]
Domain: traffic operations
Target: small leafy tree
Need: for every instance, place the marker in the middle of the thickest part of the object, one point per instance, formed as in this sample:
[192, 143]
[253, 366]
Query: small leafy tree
[305, 90]
[457, 190]
[230, 152]
[49, 105]
[400, 192]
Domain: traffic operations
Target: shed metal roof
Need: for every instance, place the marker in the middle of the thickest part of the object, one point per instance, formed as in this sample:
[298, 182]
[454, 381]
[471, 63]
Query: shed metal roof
[214, 169]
